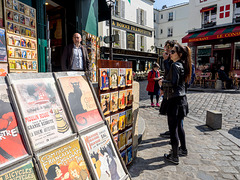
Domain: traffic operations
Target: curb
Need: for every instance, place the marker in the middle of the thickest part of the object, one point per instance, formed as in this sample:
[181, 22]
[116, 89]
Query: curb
[141, 129]
[233, 91]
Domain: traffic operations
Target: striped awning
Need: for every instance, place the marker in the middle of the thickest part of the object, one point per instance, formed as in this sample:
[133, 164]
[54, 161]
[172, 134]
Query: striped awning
[205, 9]
[212, 34]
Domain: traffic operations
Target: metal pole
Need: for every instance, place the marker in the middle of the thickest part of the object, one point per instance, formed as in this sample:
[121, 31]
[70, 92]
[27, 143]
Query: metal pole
[110, 34]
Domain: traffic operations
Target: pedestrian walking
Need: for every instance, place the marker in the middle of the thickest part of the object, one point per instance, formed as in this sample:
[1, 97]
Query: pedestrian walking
[174, 90]
[153, 87]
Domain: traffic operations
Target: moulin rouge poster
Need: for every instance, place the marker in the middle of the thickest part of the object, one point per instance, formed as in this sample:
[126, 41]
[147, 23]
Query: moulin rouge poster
[11, 145]
[101, 151]
[24, 172]
[42, 111]
[65, 162]
[81, 101]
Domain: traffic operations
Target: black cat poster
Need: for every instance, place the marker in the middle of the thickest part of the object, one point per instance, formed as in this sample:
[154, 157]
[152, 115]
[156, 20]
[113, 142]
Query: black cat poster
[81, 101]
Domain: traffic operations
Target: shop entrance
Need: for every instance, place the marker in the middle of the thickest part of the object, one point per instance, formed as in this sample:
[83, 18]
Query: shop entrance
[56, 34]
[223, 58]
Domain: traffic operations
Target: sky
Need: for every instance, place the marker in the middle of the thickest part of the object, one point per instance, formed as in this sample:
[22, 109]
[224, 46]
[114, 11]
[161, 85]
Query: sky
[159, 3]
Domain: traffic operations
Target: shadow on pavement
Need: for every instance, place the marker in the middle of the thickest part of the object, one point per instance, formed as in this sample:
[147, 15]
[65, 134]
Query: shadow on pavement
[204, 128]
[235, 132]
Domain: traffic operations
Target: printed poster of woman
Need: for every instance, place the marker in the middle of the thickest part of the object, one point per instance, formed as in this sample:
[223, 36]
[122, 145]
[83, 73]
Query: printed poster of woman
[114, 123]
[104, 80]
[105, 103]
[121, 77]
[42, 111]
[122, 99]
[129, 97]
[129, 77]
[129, 117]
[11, 145]
[80, 100]
[113, 78]
[71, 167]
[103, 155]
[114, 101]
[3, 50]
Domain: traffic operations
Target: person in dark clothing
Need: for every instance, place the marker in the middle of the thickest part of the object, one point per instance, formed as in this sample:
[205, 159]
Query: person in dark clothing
[224, 77]
[153, 87]
[174, 90]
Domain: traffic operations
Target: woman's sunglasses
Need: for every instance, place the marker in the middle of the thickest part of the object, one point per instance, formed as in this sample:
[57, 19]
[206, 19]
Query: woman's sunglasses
[172, 52]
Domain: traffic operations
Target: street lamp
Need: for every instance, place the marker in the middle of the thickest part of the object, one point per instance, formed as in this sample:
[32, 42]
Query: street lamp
[110, 4]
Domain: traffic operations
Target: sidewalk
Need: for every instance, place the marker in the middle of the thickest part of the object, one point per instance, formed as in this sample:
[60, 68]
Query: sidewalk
[212, 154]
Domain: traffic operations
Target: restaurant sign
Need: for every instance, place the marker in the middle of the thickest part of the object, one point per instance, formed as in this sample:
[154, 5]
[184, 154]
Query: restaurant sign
[130, 28]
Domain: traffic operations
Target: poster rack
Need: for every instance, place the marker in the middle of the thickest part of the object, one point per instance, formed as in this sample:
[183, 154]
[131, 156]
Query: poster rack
[21, 130]
[3, 52]
[117, 64]
[67, 106]
[21, 35]
[13, 79]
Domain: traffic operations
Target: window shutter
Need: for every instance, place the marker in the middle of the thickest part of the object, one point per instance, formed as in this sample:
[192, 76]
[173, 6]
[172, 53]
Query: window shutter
[174, 15]
[123, 37]
[138, 42]
[122, 9]
[145, 44]
[138, 16]
[145, 18]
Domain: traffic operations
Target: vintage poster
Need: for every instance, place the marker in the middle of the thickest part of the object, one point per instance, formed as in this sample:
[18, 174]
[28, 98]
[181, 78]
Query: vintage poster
[18, 53]
[11, 52]
[29, 65]
[122, 120]
[23, 42]
[114, 102]
[9, 15]
[27, 21]
[116, 139]
[121, 77]
[12, 64]
[108, 120]
[122, 141]
[129, 117]
[11, 145]
[21, 8]
[34, 65]
[128, 136]
[16, 28]
[10, 27]
[113, 78]
[9, 3]
[122, 99]
[65, 162]
[3, 50]
[17, 41]
[24, 53]
[22, 30]
[80, 100]
[128, 77]
[129, 155]
[105, 103]
[124, 156]
[103, 155]
[104, 79]
[18, 64]
[129, 97]
[27, 11]
[10, 40]
[15, 5]
[42, 111]
[15, 17]
[23, 172]
[32, 12]
[114, 123]
[3, 69]
[22, 19]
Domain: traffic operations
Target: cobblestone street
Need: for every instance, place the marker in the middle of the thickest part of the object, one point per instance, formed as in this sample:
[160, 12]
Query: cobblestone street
[212, 154]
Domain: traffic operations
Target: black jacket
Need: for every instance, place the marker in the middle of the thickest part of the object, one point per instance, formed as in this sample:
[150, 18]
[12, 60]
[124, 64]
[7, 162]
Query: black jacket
[174, 85]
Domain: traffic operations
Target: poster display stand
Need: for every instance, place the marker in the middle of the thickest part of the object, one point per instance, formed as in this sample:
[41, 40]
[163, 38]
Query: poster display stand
[3, 52]
[115, 95]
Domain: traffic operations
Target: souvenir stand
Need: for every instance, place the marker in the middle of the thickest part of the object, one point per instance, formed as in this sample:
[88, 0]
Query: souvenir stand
[20, 25]
[94, 136]
[15, 150]
[115, 96]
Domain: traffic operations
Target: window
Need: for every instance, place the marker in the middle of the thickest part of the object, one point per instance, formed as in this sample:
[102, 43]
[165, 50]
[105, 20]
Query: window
[224, 11]
[154, 33]
[116, 11]
[161, 31]
[142, 17]
[170, 32]
[170, 16]
[209, 16]
[154, 17]
[142, 43]
[236, 12]
[116, 43]
[161, 16]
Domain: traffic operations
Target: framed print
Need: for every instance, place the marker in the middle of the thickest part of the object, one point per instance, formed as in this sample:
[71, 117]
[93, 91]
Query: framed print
[128, 77]
[11, 52]
[129, 97]
[124, 156]
[10, 27]
[18, 64]
[33, 34]
[23, 42]
[113, 78]
[3, 50]
[15, 5]
[21, 19]
[122, 99]
[16, 28]
[16, 17]
[129, 117]
[105, 103]
[27, 21]
[24, 64]
[22, 30]
[21, 7]
[11, 40]
[114, 101]
[34, 54]
[32, 12]
[129, 155]
[29, 65]
[18, 53]
[32, 23]
[17, 40]
[116, 139]
[28, 43]
[27, 11]
[64, 162]
[11, 143]
[24, 53]
[29, 54]
[9, 3]
[3, 70]
[33, 44]
[122, 120]
[102, 154]
[34, 65]
[121, 77]
[114, 123]
[12, 64]
[80, 101]
[108, 120]
[42, 111]
[9, 15]
[104, 79]
[129, 136]
[122, 140]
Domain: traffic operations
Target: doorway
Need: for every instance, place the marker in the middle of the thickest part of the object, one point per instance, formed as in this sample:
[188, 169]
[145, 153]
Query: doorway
[57, 36]
[223, 58]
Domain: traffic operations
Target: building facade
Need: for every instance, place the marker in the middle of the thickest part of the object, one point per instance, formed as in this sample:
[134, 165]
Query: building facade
[214, 34]
[170, 23]
[133, 22]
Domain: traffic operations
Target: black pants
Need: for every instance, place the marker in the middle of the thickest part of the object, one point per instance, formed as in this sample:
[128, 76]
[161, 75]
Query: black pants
[157, 98]
[175, 124]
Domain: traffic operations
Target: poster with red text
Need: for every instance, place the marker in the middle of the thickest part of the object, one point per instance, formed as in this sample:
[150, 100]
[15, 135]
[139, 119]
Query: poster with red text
[103, 155]
[80, 100]
[65, 162]
[42, 111]
[11, 145]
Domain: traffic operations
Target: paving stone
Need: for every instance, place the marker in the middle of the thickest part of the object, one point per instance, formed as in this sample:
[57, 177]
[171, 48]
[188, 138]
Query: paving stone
[208, 168]
[221, 163]
[236, 152]
[228, 176]
[229, 170]
[235, 163]
[204, 176]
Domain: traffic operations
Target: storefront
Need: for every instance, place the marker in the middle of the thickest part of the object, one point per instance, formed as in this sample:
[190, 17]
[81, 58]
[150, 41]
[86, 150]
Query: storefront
[215, 47]
[141, 61]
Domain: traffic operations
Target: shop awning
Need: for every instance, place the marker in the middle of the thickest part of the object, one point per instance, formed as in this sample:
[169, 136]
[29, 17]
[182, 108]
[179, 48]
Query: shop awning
[212, 34]
[236, 1]
[205, 9]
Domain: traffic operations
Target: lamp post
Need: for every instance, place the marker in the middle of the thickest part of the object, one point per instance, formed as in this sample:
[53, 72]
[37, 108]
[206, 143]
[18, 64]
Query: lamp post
[110, 5]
